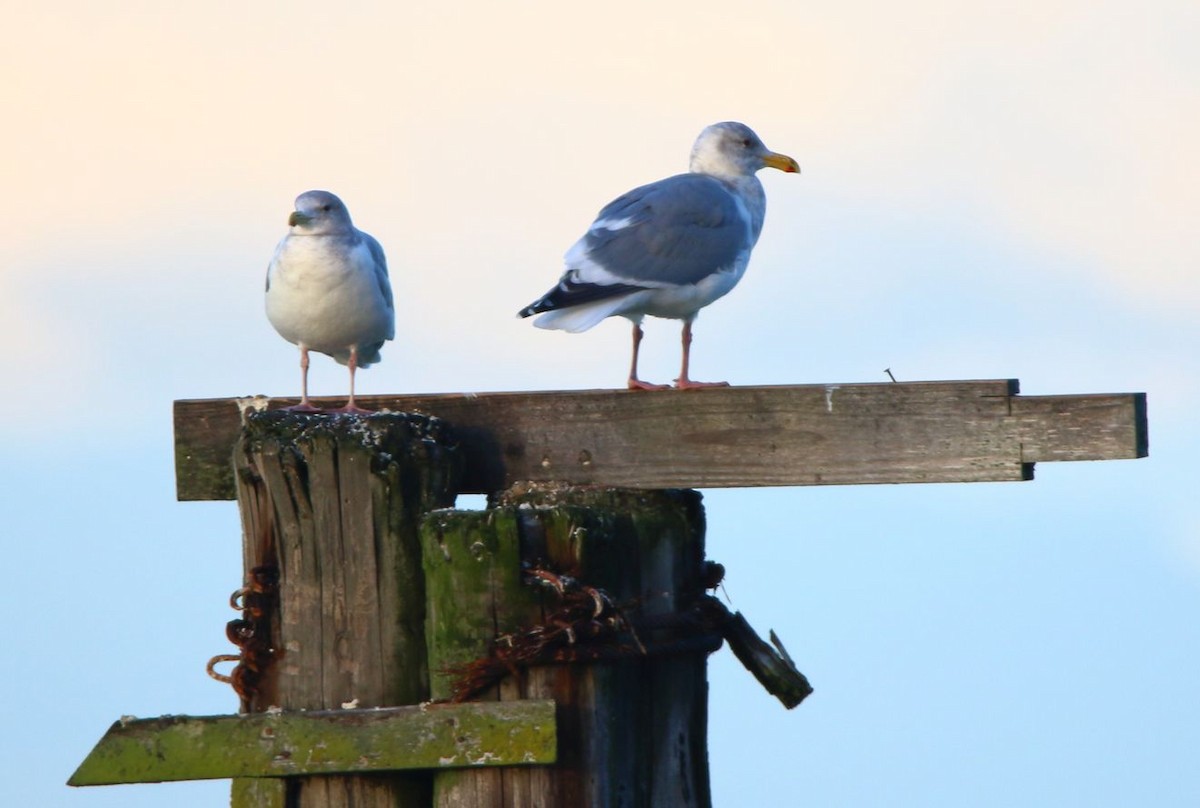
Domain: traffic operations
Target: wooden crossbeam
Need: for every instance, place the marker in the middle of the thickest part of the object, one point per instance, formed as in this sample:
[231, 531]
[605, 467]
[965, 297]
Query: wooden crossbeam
[830, 434]
[429, 736]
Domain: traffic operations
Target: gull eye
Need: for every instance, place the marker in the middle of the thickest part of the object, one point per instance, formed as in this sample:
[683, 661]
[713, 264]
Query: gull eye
[327, 207]
[746, 142]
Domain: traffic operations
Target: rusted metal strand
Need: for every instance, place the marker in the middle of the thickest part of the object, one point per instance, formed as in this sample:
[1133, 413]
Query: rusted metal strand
[589, 627]
[251, 633]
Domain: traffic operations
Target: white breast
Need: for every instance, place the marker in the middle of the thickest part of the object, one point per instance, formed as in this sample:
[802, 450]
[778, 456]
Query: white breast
[325, 299]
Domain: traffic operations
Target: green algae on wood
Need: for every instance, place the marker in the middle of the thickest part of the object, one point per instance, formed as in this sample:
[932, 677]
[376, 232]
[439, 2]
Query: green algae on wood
[261, 792]
[426, 736]
[632, 728]
[474, 562]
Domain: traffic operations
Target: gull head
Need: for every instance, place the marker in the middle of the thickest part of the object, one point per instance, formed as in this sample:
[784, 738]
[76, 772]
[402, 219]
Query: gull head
[730, 150]
[319, 213]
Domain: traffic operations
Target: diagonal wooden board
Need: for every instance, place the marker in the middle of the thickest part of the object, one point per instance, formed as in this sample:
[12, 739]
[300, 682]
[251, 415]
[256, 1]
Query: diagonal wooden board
[827, 434]
[426, 736]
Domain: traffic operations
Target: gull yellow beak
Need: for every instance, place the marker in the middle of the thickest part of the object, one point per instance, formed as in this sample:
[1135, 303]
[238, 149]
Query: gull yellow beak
[782, 162]
[298, 218]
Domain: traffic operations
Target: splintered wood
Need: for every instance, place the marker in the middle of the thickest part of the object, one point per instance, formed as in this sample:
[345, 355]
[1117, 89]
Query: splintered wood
[334, 504]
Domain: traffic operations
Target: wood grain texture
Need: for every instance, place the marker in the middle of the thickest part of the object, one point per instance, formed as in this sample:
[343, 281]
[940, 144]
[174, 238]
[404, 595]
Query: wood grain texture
[1084, 427]
[334, 505]
[954, 431]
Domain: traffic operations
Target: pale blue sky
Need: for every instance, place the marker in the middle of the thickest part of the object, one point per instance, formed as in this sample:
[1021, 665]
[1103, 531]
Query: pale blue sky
[996, 193]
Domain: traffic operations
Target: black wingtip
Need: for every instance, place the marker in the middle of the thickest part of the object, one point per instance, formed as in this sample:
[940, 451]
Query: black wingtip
[536, 307]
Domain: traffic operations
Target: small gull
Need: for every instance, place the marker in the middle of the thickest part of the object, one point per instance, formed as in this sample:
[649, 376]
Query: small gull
[328, 290]
[669, 248]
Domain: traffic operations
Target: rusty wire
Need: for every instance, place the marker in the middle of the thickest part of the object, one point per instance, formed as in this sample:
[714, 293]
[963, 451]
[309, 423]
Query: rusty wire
[587, 626]
[251, 633]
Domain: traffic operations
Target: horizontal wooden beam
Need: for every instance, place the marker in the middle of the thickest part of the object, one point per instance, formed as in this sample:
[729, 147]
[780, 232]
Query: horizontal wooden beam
[427, 736]
[830, 434]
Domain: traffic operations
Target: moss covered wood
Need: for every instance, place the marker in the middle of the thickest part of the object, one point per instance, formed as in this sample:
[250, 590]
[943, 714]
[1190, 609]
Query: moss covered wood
[334, 503]
[426, 736]
[632, 729]
[262, 792]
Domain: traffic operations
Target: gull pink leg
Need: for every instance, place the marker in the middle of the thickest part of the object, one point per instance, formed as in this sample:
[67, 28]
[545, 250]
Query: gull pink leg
[305, 405]
[683, 382]
[634, 382]
[351, 407]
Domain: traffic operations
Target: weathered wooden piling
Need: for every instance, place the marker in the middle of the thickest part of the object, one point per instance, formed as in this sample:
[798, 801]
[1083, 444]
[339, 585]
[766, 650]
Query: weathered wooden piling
[574, 618]
[333, 506]
[630, 682]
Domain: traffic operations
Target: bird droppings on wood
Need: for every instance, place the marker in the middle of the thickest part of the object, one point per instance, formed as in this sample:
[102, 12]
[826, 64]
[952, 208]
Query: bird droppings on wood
[829, 390]
[370, 428]
[553, 494]
[257, 403]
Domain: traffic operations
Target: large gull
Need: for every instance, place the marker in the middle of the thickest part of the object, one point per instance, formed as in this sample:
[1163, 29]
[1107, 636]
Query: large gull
[669, 248]
[328, 290]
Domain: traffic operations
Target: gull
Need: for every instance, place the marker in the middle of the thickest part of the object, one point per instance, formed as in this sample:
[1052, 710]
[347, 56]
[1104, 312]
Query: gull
[670, 248]
[328, 290]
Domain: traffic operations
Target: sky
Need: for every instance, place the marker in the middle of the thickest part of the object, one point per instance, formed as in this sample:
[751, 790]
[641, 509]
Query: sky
[988, 191]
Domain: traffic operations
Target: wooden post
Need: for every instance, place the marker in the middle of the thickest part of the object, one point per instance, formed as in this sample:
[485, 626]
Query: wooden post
[586, 602]
[333, 505]
[632, 724]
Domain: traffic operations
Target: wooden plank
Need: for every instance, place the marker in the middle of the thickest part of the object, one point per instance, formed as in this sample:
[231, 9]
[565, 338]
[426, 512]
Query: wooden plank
[1086, 427]
[425, 736]
[836, 434]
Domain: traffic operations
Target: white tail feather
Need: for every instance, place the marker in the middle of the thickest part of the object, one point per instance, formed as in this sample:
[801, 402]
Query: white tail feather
[581, 318]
